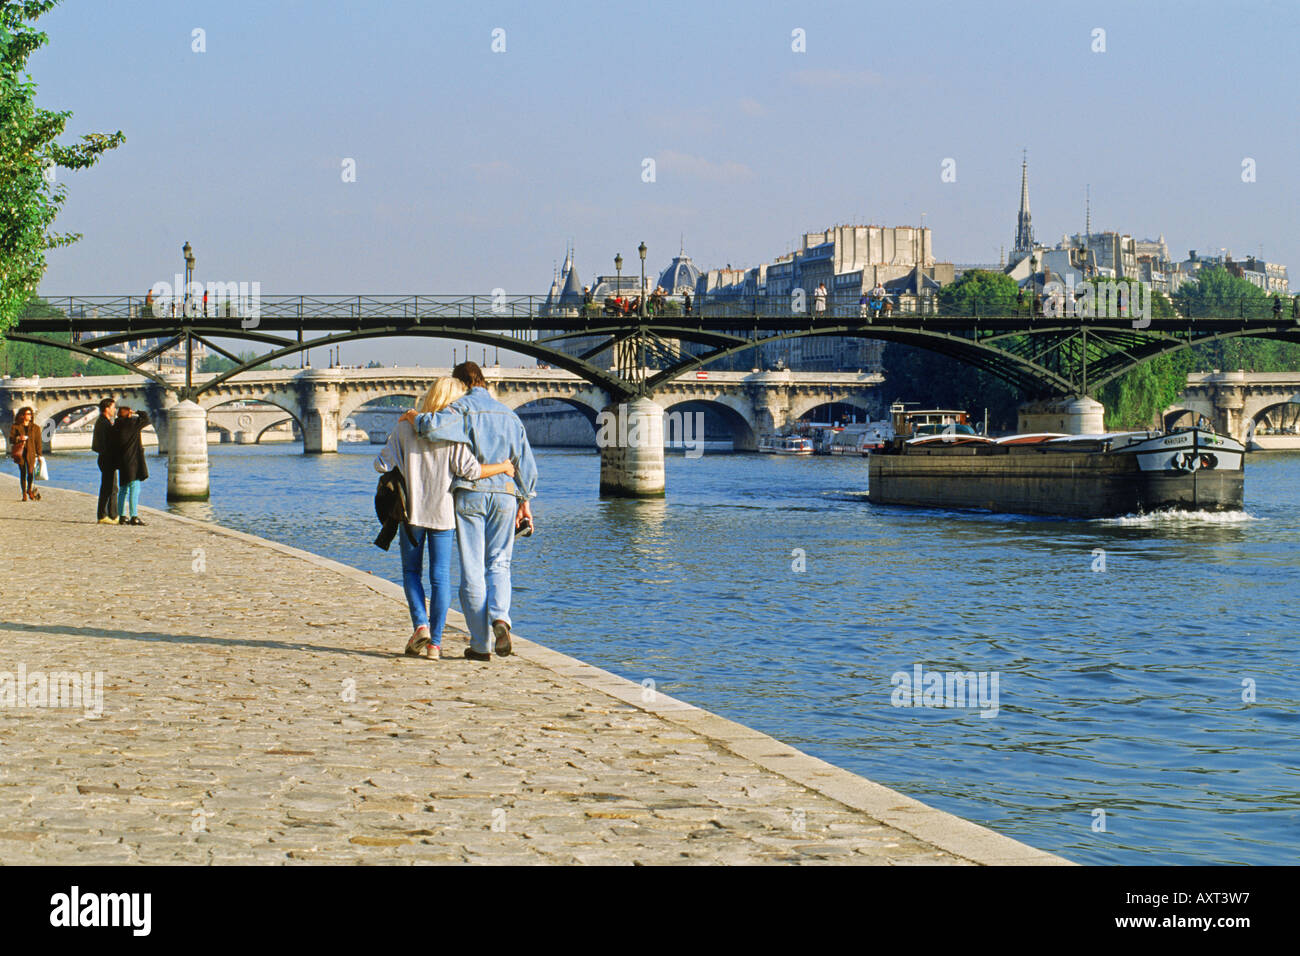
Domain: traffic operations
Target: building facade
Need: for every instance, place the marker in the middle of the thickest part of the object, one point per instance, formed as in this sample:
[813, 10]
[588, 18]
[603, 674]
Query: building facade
[848, 261]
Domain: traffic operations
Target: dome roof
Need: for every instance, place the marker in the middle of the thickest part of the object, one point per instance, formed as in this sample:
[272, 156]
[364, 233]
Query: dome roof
[680, 276]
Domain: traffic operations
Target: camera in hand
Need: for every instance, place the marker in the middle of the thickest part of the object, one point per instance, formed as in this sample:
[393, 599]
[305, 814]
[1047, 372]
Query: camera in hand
[525, 528]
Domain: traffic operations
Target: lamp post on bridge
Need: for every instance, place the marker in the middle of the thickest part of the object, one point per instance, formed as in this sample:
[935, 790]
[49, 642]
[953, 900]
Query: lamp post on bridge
[190, 260]
[641, 297]
[640, 339]
[188, 252]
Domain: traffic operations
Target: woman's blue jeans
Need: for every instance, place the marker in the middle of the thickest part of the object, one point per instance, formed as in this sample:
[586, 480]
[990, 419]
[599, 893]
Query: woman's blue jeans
[129, 494]
[439, 544]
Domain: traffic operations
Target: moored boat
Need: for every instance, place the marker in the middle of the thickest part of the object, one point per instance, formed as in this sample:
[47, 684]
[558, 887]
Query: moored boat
[785, 445]
[862, 439]
[1087, 476]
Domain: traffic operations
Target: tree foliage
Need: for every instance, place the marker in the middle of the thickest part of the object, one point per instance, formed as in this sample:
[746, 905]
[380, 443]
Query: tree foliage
[30, 195]
[979, 292]
[219, 363]
[26, 359]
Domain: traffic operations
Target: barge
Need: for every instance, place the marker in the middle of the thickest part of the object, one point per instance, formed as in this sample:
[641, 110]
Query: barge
[1081, 476]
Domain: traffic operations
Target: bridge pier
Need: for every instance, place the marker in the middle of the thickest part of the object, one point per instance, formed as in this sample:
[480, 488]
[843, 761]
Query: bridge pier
[630, 436]
[769, 396]
[1229, 396]
[1071, 415]
[158, 402]
[187, 452]
[318, 397]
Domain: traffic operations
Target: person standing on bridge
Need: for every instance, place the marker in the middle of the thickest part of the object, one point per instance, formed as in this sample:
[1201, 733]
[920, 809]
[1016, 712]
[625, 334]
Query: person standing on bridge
[819, 299]
[428, 468]
[877, 300]
[102, 444]
[25, 449]
[490, 511]
[132, 469]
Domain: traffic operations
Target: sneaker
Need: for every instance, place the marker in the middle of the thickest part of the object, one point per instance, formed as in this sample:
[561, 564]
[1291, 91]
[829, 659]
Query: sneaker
[107, 520]
[434, 651]
[502, 631]
[473, 655]
[136, 520]
[123, 520]
[418, 642]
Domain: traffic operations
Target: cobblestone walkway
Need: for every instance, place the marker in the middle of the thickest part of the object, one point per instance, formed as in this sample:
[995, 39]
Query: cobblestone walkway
[256, 709]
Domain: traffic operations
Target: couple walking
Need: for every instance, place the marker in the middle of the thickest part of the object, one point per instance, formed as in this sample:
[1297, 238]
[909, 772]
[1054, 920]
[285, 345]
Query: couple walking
[118, 442]
[440, 447]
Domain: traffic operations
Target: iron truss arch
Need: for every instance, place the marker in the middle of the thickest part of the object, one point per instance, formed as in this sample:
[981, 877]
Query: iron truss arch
[625, 355]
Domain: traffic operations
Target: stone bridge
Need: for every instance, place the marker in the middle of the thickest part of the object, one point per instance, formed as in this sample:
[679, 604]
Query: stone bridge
[1250, 406]
[320, 400]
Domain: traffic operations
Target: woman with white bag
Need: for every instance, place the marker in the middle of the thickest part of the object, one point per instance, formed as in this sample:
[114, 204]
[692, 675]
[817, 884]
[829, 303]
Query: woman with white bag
[25, 449]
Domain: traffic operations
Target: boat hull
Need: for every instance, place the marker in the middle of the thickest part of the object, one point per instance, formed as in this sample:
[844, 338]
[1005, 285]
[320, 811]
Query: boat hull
[1039, 481]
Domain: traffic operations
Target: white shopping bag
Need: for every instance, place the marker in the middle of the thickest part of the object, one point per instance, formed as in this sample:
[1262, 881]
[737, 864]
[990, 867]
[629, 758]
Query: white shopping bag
[42, 470]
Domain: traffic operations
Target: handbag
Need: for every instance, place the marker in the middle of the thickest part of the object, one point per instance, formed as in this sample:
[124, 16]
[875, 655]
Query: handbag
[42, 469]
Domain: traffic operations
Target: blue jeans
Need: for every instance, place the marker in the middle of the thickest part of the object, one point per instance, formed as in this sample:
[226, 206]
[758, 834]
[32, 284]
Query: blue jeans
[129, 493]
[439, 545]
[485, 536]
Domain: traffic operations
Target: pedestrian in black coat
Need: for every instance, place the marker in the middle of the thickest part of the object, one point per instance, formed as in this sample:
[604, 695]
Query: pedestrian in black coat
[128, 452]
[102, 444]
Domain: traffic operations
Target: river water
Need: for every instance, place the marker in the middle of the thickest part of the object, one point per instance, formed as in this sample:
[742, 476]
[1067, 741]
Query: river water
[771, 591]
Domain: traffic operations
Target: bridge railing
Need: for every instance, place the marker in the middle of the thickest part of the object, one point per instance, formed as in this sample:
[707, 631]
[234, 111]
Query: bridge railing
[367, 309]
[844, 305]
[350, 307]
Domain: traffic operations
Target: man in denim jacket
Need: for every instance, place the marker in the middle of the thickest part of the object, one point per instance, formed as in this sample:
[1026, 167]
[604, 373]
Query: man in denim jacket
[488, 510]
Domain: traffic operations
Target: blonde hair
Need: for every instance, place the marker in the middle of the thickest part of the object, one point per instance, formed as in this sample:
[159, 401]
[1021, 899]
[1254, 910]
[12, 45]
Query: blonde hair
[441, 393]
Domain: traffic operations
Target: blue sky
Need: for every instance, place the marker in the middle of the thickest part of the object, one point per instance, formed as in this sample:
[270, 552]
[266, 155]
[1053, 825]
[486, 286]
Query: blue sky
[474, 168]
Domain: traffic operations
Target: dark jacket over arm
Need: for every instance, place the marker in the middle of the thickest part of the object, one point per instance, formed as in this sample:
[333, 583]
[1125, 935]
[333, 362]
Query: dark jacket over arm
[128, 448]
[390, 507]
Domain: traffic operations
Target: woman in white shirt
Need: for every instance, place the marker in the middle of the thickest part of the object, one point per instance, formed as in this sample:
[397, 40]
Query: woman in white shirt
[428, 467]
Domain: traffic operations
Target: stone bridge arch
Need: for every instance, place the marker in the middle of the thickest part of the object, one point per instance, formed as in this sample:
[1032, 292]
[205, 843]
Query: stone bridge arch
[355, 395]
[802, 404]
[1257, 405]
[736, 411]
[587, 401]
[47, 411]
[53, 404]
[281, 399]
[1283, 414]
[250, 421]
[1188, 411]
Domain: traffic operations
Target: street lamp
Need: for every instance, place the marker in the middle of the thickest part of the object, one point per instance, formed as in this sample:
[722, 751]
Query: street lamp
[641, 249]
[189, 273]
[618, 268]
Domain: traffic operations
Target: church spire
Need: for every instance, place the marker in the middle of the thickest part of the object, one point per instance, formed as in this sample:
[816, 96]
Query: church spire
[1024, 228]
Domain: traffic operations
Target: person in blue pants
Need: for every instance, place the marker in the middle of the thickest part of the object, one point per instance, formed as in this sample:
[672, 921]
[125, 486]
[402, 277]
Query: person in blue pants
[428, 468]
[489, 511]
